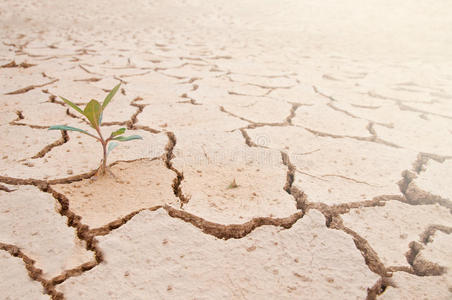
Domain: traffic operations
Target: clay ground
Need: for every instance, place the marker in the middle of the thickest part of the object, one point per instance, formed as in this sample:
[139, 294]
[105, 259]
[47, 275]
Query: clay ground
[292, 150]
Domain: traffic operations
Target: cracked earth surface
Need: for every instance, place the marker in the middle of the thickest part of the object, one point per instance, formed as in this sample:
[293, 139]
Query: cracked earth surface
[291, 150]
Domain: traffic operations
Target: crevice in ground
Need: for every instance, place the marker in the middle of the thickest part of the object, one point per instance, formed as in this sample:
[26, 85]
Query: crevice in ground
[288, 122]
[425, 237]
[334, 221]
[373, 139]
[5, 189]
[133, 119]
[191, 81]
[167, 159]
[159, 69]
[370, 128]
[412, 109]
[247, 95]
[371, 257]
[134, 75]
[53, 99]
[350, 179]
[30, 87]
[87, 71]
[91, 79]
[403, 106]
[422, 267]
[217, 230]
[70, 114]
[422, 159]
[252, 125]
[106, 229]
[33, 272]
[13, 64]
[338, 209]
[316, 90]
[417, 196]
[417, 267]
[222, 109]
[248, 141]
[365, 106]
[235, 231]
[64, 139]
[349, 114]
[292, 113]
[262, 86]
[131, 123]
[189, 101]
[20, 116]
[405, 269]
[301, 199]
[379, 287]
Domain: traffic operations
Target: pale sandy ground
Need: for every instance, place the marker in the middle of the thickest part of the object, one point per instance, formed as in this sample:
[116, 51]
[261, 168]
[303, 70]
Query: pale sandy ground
[334, 118]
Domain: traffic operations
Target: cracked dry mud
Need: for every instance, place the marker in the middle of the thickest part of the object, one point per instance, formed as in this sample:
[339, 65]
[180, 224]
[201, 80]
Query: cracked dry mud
[292, 149]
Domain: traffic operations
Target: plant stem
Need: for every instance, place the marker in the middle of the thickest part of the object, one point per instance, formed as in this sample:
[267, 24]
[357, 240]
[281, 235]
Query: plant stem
[104, 161]
[104, 143]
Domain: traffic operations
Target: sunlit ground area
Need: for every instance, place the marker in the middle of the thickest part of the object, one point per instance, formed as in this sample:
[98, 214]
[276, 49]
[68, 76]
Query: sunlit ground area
[291, 150]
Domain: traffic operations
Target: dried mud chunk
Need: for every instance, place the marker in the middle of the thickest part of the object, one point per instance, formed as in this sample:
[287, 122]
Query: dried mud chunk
[29, 221]
[138, 185]
[284, 263]
[211, 161]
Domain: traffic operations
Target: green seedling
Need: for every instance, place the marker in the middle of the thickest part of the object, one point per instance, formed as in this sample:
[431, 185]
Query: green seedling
[233, 185]
[93, 112]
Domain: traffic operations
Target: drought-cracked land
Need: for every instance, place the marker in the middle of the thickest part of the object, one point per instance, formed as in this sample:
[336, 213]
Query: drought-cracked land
[292, 150]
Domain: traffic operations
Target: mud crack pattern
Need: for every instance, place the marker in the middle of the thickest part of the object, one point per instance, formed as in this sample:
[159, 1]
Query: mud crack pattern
[279, 159]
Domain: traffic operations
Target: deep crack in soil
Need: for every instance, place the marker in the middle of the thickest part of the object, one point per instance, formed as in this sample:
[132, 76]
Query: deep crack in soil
[64, 139]
[167, 157]
[30, 87]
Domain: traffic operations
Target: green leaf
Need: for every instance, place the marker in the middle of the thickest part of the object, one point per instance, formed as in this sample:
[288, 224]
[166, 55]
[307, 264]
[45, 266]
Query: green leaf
[73, 105]
[64, 127]
[117, 132]
[110, 96]
[112, 146]
[93, 111]
[100, 118]
[127, 138]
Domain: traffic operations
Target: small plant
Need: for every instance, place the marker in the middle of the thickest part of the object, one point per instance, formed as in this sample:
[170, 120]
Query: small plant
[93, 112]
[233, 185]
